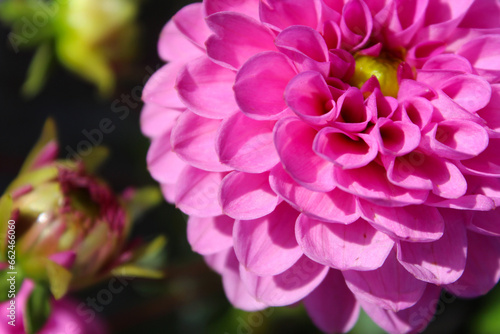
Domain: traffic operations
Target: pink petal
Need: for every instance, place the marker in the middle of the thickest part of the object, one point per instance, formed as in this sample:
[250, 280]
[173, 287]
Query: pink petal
[174, 46]
[246, 145]
[197, 192]
[441, 261]
[482, 14]
[424, 51]
[332, 306]
[487, 163]
[160, 88]
[458, 140]
[491, 113]
[370, 182]
[207, 88]
[418, 110]
[279, 14]
[247, 196]
[247, 7]
[353, 115]
[469, 91]
[356, 246]
[345, 150]
[418, 170]
[390, 286]
[236, 38]
[210, 235]
[267, 246]
[442, 17]
[356, 24]
[234, 287]
[466, 202]
[64, 258]
[156, 120]
[334, 206]
[482, 270]
[294, 140]
[288, 287]
[260, 84]
[411, 320]
[308, 96]
[396, 138]
[486, 222]
[306, 47]
[407, 19]
[190, 21]
[413, 223]
[163, 164]
[193, 139]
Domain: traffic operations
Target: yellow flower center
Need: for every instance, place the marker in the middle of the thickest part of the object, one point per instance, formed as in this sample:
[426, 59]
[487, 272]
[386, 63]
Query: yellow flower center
[384, 68]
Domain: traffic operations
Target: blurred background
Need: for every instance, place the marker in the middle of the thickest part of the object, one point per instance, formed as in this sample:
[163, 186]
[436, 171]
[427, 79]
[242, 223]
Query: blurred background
[190, 298]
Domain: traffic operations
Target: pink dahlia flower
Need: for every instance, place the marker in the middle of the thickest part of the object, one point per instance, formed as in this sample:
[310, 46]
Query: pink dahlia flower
[344, 154]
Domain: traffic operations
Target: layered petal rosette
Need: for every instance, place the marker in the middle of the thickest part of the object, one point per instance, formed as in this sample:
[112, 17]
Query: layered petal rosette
[344, 154]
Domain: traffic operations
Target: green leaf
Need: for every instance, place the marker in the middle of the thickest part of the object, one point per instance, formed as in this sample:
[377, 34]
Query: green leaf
[38, 71]
[142, 200]
[59, 279]
[37, 309]
[131, 270]
[49, 134]
[5, 214]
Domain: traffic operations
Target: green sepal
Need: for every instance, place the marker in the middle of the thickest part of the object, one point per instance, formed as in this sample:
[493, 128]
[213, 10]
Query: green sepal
[132, 270]
[94, 160]
[49, 134]
[6, 205]
[37, 309]
[59, 279]
[34, 178]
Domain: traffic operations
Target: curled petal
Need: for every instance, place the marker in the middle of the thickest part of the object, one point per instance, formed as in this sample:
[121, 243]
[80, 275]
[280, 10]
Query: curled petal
[396, 138]
[345, 150]
[309, 97]
[482, 52]
[306, 47]
[356, 24]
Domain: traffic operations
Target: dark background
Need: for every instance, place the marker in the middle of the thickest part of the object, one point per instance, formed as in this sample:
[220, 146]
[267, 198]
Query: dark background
[190, 299]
